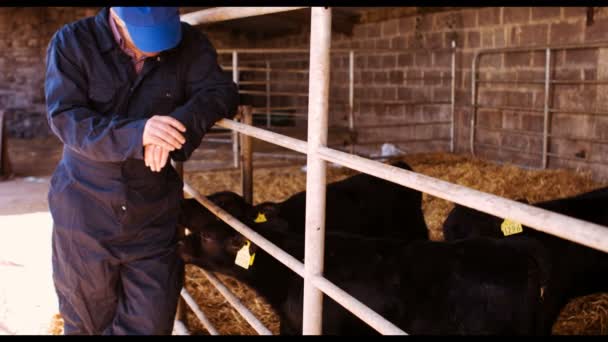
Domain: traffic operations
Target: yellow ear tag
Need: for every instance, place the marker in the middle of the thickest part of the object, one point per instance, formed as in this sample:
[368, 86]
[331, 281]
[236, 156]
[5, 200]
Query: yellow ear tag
[243, 258]
[509, 227]
[261, 218]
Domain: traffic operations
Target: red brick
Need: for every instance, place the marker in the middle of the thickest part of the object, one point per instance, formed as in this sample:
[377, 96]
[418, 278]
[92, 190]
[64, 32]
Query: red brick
[374, 61]
[434, 40]
[442, 59]
[441, 94]
[499, 37]
[406, 25]
[601, 128]
[390, 27]
[424, 22]
[489, 118]
[432, 77]
[389, 93]
[487, 39]
[539, 59]
[514, 141]
[383, 43]
[517, 59]
[590, 74]
[563, 33]
[423, 59]
[532, 122]
[530, 75]
[511, 119]
[486, 137]
[515, 15]
[579, 56]
[396, 76]
[546, 12]
[489, 16]
[399, 42]
[473, 39]
[534, 34]
[575, 12]
[404, 94]
[598, 31]
[490, 60]
[380, 77]
[567, 74]
[405, 60]
[389, 61]
[373, 30]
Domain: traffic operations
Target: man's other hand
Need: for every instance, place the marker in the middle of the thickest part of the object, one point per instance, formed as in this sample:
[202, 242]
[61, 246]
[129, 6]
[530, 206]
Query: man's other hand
[164, 131]
[155, 157]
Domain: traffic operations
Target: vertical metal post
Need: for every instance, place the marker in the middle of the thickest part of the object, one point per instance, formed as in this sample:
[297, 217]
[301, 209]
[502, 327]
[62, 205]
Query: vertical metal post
[473, 102]
[247, 158]
[546, 111]
[453, 96]
[351, 97]
[318, 93]
[5, 166]
[180, 314]
[235, 135]
[267, 93]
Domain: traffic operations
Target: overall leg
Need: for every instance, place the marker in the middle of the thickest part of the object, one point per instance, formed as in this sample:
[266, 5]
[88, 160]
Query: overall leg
[150, 291]
[86, 281]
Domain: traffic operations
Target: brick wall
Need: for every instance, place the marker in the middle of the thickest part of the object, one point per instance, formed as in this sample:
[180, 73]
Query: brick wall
[396, 76]
[24, 36]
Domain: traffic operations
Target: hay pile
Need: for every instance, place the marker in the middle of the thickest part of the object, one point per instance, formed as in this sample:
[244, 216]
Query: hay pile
[585, 315]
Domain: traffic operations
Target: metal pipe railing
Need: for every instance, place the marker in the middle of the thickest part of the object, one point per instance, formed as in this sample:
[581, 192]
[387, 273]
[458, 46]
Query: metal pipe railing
[247, 158]
[235, 138]
[198, 312]
[216, 14]
[350, 303]
[579, 231]
[314, 246]
[453, 95]
[546, 109]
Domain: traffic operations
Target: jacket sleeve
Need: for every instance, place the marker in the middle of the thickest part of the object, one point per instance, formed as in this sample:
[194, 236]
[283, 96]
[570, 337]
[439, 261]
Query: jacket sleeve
[98, 136]
[211, 95]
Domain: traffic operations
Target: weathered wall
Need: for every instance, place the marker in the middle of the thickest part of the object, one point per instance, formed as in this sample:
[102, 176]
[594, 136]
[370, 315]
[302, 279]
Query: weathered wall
[397, 76]
[24, 36]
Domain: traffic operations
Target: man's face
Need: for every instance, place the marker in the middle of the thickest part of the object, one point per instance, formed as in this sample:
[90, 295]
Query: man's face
[125, 34]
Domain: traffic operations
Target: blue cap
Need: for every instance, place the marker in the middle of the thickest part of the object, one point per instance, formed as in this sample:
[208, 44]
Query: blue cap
[152, 29]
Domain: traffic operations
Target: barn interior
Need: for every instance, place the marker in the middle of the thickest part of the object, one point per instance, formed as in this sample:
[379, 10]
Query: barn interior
[505, 100]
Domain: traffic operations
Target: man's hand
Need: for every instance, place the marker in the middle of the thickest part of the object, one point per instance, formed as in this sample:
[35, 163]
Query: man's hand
[155, 157]
[164, 131]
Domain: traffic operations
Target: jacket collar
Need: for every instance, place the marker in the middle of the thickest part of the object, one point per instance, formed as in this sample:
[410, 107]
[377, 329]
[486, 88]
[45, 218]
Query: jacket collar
[103, 32]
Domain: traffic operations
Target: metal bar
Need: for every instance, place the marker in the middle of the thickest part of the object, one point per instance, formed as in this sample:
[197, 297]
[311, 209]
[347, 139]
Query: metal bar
[179, 328]
[180, 312]
[295, 71]
[402, 124]
[473, 104]
[590, 140]
[401, 141]
[512, 108]
[351, 95]
[333, 50]
[276, 93]
[267, 93]
[544, 47]
[577, 112]
[350, 303]
[510, 82]
[507, 148]
[247, 158]
[314, 247]
[236, 304]
[546, 112]
[452, 95]
[217, 14]
[508, 130]
[279, 108]
[262, 134]
[235, 136]
[565, 227]
[198, 312]
[398, 102]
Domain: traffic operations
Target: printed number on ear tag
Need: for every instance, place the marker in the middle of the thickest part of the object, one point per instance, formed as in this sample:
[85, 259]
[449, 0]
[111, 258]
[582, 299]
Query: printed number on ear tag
[509, 227]
[261, 218]
[243, 258]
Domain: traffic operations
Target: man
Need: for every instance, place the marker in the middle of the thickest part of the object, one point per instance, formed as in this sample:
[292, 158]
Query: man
[126, 90]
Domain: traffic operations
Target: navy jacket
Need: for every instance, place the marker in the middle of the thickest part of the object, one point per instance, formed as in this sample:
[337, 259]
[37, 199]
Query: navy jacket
[98, 106]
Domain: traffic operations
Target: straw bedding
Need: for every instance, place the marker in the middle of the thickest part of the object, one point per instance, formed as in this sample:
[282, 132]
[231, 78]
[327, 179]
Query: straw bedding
[582, 316]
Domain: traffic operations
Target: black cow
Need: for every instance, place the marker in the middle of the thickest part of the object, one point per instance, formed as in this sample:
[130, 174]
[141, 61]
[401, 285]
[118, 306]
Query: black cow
[568, 269]
[474, 287]
[361, 204]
